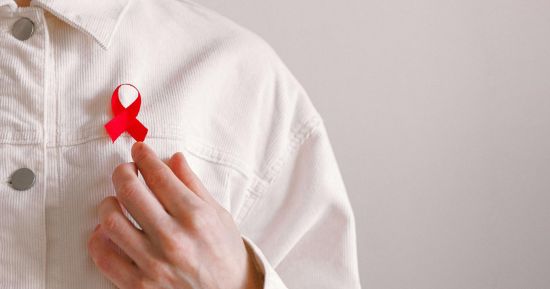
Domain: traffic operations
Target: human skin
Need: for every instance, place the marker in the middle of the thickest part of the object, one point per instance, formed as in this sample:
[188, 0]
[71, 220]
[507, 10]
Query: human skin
[23, 3]
[186, 241]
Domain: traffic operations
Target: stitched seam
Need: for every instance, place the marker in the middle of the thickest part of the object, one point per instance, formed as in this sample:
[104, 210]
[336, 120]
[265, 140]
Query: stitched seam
[298, 137]
[259, 186]
[195, 147]
[252, 195]
[45, 162]
[166, 133]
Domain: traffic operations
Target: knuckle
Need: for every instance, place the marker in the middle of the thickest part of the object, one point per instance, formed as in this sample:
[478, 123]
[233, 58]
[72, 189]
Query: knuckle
[119, 171]
[225, 214]
[162, 225]
[173, 247]
[103, 262]
[127, 190]
[111, 222]
[157, 269]
[203, 218]
[192, 180]
[139, 283]
[170, 241]
[157, 179]
[91, 244]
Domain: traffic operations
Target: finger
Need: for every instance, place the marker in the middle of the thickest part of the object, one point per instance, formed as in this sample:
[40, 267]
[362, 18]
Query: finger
[179, 165]
[170, 191]
[123, 233]
[113, 265]
[136, 198]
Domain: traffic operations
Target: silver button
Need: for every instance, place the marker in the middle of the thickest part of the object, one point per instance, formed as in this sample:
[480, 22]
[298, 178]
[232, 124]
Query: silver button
[22, 179]
[23, 28]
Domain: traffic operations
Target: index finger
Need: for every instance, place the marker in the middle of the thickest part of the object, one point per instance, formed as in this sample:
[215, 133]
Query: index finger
[167, 187]
[138, 201]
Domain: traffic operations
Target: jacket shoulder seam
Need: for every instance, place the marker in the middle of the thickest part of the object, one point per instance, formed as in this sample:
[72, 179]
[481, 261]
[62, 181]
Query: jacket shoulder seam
[260, 184]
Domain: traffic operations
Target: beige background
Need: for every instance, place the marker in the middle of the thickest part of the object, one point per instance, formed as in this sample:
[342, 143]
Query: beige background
[439, 115]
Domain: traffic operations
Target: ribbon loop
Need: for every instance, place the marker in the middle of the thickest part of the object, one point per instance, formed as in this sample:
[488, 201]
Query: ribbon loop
[125, 118]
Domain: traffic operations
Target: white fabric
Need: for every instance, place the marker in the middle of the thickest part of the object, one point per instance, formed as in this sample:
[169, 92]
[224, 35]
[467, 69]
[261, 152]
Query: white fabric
[211, 89]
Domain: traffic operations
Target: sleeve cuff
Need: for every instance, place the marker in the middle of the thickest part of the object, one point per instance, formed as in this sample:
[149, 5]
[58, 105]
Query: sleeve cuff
[271, 278]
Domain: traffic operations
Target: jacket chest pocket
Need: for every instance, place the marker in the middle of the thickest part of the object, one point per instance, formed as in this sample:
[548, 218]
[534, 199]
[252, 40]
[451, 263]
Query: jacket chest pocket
[82, 173]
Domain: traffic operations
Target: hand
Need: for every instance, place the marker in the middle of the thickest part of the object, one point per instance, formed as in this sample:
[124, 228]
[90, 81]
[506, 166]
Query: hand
[187, 240]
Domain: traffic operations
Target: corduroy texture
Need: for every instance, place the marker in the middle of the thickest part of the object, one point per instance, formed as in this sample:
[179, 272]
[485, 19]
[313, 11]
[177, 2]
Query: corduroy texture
[211, 89]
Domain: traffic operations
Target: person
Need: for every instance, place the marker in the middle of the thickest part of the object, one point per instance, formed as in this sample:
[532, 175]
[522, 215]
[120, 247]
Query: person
[158, 144]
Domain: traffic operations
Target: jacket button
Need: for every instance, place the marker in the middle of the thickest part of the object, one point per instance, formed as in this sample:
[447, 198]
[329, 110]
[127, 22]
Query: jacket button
[22, 179]
[23, 28]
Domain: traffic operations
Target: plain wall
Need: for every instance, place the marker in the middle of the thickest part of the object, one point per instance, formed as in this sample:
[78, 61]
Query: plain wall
[439, 115]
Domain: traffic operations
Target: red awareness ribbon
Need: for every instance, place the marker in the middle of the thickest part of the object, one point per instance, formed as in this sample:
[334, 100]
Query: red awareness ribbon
[125, 118]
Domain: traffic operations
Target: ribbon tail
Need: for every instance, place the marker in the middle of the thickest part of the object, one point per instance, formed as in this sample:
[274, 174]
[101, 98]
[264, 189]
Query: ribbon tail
[115, 128]
[137, 130]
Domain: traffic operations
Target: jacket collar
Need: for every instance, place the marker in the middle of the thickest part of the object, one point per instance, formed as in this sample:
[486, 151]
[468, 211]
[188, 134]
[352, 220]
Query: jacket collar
[97, 18]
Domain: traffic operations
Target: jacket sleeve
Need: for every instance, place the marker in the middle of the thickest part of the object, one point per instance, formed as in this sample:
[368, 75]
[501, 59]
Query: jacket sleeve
[302, 228]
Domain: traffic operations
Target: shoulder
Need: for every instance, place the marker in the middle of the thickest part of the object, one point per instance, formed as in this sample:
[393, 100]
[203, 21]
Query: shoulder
[233, 80]
[193, 21]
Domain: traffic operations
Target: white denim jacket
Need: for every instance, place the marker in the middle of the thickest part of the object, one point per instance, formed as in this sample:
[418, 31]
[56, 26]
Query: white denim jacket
[211, 89]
